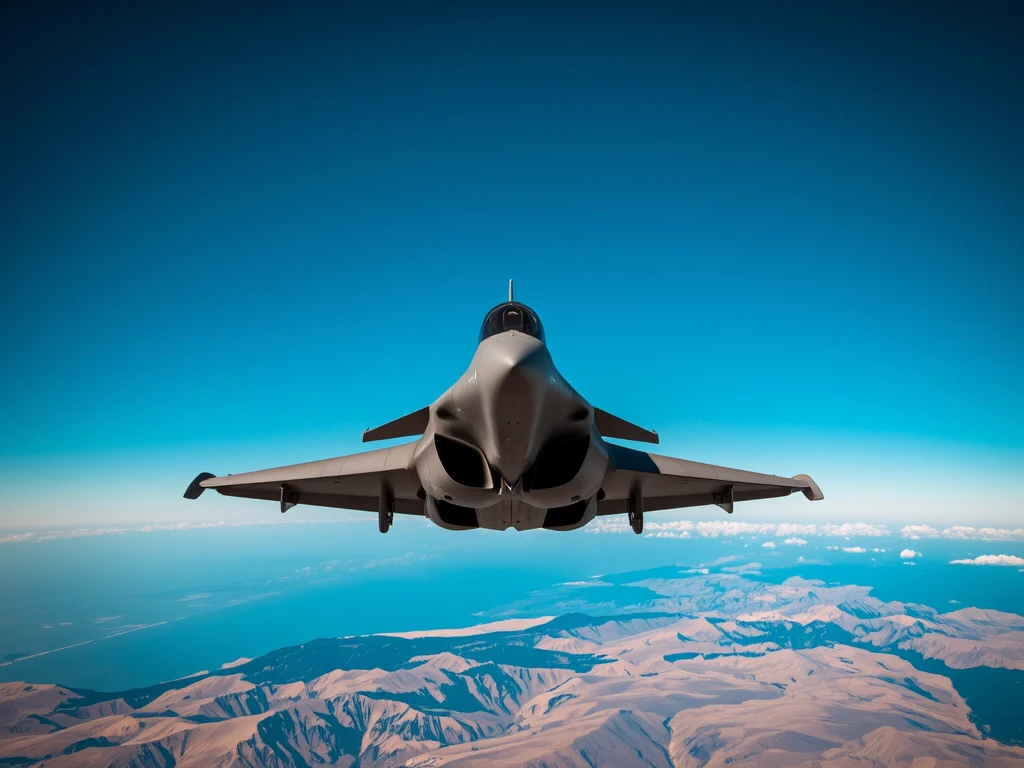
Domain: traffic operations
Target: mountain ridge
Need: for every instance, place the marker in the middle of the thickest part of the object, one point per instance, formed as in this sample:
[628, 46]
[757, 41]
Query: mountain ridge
[713, 668]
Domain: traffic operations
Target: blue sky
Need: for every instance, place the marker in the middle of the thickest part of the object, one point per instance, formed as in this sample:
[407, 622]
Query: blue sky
[788, 238]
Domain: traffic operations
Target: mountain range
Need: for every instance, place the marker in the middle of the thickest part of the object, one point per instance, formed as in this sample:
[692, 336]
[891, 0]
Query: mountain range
[694, 669]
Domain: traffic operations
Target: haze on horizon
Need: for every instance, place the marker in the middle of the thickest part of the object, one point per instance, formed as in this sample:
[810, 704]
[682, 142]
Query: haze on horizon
[234, 243]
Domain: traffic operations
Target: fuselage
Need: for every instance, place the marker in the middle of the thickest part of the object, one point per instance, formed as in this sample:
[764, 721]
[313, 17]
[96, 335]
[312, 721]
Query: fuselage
[511, 442]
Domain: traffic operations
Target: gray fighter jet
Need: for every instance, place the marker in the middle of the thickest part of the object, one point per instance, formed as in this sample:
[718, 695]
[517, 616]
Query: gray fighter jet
[510, 445]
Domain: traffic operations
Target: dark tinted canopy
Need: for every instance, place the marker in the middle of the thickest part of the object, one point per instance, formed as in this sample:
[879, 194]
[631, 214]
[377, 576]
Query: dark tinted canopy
[512, 316]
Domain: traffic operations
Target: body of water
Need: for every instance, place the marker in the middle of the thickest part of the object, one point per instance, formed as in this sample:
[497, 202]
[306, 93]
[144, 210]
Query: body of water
[119, 611]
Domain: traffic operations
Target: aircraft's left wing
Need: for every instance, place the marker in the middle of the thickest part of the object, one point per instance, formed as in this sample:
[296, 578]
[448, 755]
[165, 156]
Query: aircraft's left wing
[663, 482]
[346, 482]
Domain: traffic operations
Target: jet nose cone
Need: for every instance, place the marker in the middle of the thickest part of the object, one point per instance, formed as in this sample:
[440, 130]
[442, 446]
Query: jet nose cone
[515, 373]
[512, 351]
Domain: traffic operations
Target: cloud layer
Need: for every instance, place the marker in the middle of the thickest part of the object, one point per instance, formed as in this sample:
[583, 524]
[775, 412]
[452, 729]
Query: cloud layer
[991, 560]
[962, 533]
[713, 529]
[77, 533]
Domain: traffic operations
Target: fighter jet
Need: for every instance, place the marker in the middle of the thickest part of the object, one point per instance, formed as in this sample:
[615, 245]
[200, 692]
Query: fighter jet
[510, 445]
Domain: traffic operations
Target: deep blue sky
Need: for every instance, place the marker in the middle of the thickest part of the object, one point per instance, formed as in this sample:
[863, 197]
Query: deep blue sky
[237, 237]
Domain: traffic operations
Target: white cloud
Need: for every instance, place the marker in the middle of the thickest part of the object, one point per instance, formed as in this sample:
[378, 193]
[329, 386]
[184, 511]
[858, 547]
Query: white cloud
[745, 568]
[793, 533]
[78, 533]
[991, 560]
[847, 530]
[962, 533]
[50, 535]
[12, 537]
[187, 526]
[795, 529]
[713, 529]
[608, 526]
[909, 554]
[724, 559]
[405, 559]
[918, 532]
[182, 526]
[769, 545]
[857, 550]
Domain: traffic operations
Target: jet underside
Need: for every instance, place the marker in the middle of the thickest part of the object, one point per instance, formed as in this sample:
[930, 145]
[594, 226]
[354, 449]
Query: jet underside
[510, 445]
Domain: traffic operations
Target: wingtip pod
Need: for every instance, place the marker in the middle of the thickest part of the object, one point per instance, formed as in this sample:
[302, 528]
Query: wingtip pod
[196, 488]
[812, 491]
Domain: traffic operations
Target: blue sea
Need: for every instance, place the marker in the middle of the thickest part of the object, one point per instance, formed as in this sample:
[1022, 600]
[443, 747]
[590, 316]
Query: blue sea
[117, 611]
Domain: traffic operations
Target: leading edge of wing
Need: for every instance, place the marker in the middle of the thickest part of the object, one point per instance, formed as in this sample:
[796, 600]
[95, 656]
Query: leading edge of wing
[394, 459]
[632, 460]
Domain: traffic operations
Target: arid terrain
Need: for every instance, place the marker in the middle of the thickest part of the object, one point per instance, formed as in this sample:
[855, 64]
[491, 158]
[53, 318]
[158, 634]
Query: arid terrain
[715, 668]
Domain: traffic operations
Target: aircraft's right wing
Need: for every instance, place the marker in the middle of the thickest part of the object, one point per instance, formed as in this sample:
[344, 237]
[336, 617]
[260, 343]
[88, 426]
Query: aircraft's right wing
[346, 482]
[667, 483]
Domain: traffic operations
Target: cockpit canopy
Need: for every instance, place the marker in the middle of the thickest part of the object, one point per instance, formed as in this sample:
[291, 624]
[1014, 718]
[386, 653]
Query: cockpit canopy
[512, 316]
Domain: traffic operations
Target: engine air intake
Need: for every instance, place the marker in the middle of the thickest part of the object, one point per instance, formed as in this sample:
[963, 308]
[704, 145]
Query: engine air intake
[558, 463]
[453, 514]
[464, 464]
[564, 517]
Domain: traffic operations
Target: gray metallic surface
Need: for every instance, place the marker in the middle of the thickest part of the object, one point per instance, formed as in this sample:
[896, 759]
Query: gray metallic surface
[506, 427]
